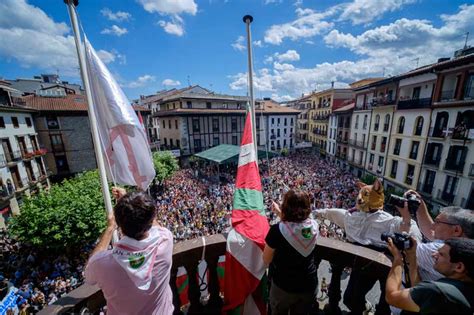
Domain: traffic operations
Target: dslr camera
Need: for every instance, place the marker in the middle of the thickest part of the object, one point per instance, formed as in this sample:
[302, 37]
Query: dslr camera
[401, 240]
[413, 202]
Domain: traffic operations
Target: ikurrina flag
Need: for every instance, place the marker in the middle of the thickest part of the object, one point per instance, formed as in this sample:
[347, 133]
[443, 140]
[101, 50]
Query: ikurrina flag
[244, 266]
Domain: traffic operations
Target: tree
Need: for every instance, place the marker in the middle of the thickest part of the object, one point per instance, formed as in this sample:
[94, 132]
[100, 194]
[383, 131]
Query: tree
[165, 164]
[68, 216]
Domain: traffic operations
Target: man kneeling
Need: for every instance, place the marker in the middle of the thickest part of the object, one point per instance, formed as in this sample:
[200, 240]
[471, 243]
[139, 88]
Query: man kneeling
[135, 274]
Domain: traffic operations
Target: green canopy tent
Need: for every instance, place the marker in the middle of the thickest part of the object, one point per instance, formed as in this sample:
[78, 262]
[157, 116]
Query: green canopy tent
[226, 154]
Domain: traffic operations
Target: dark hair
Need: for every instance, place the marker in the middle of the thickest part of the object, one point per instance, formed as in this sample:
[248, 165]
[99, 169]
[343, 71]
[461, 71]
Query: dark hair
[296, 206]
[462, 250]
[134, 214]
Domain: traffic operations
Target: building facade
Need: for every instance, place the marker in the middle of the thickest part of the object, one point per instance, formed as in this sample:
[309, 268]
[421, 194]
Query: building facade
[22, 169]
[323, 104]
[343, 116]
[447, 174]
[195, 119]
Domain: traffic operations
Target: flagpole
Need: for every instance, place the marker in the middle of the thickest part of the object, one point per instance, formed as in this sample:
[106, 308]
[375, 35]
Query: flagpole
[92, 118]
[247, 20]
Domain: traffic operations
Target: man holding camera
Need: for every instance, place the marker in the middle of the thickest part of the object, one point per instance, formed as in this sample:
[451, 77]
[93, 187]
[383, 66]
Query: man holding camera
[452, 294]
[451, 222]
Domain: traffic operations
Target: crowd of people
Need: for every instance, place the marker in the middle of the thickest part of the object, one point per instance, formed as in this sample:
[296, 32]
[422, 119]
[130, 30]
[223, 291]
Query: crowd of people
[40, 280]
[193, 203]
[190, 204]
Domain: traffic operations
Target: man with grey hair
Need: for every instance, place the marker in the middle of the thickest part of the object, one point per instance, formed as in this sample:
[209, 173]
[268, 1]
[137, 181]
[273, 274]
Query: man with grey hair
[451, 222]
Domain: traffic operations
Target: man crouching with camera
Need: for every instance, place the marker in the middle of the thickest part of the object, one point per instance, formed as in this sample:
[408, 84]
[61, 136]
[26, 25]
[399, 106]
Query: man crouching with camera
[452, 294]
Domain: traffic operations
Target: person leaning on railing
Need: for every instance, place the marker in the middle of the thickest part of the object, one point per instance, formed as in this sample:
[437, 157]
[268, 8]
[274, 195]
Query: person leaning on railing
[289, 251]
[135, 274]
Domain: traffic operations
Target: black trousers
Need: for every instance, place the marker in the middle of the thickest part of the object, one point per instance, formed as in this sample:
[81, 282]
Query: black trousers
[363, 277]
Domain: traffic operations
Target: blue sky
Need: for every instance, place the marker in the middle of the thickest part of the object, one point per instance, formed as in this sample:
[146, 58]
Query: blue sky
[299, 45]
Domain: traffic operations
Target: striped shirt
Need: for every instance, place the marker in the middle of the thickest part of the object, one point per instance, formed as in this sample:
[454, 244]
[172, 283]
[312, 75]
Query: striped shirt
[426, 261]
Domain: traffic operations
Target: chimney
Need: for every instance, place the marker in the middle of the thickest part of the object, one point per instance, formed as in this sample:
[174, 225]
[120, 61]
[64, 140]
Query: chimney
[332, 84]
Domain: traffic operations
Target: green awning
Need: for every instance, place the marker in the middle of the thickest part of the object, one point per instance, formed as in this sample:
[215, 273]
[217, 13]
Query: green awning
[227, 153]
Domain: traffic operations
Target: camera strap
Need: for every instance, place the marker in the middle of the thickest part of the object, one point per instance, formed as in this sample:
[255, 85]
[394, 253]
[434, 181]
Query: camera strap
[406, 270]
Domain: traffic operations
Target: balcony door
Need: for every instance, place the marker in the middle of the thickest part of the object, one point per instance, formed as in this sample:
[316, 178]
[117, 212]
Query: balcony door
[470, 201]
[7, 149]
[429, 181]
[440, 125]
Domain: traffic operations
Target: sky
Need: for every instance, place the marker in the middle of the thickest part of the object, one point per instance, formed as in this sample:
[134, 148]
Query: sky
[298, 45]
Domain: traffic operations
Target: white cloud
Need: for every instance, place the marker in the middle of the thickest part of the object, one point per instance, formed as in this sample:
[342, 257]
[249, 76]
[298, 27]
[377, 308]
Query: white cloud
[308, 24]
[174, 28]
[170, 7]
[409, 38]
[283, 66]
[290, 55]
[170, 82]
[257, 43]
[111, 56]
[365, 11]
[106, 56]
[115, 30]
[141, 81]
[239, 44]
[272, 1]
[117, 16]
[30, 37]
[390, 47]
[173, 9]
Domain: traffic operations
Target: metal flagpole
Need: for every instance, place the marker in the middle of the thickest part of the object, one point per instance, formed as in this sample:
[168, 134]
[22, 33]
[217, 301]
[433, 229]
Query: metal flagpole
[92, 118]
[247, 20]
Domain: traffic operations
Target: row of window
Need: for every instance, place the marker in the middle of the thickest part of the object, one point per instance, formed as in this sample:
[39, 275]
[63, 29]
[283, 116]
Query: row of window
[15, 122]
[285, 121]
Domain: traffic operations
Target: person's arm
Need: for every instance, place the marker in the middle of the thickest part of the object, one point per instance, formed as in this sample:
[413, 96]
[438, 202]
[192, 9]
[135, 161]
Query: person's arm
[394, 294]
[268, 253]
[106, 236]
[406, 218]
[425, 222]
[412, 263]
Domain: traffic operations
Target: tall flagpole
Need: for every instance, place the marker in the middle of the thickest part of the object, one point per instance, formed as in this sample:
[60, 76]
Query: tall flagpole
[247, 20]
[92, 118]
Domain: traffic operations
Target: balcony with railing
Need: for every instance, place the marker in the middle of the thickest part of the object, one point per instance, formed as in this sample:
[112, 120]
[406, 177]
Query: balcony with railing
[382, 147]
[3, 160]
[357, 143]
[414, 103]
[88, 299]
[40, 152]
[12, 156]
[427, 188]
[454, 166]
[27, 154]
[432, 160]
[6, 192]
[321, 118]
[448, 95]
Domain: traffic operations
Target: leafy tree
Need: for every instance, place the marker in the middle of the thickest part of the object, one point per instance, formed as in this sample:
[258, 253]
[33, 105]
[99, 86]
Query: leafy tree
[368, 179]
[165, 164]
[66, 217]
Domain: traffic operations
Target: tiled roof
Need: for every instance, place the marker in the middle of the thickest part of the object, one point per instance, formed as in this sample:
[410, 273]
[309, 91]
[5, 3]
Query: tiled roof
[344, 108]
[71, 102]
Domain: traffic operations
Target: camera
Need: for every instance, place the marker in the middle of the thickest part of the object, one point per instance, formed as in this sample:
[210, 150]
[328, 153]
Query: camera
[401, 241]
[413, 202]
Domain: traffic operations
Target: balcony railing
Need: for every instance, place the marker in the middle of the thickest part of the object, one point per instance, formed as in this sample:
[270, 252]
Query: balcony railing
[430, 160]
[89, 299]
[3, 160]
[437, 132]
[447, 95]
[413, 155]
[414, 103]
[427, 188]
[448, 197]
[359, 144]
[382, 101]
[453, 166]
[41, 151]
[27, 154]
[382, 147]
[12, 156]
[385, 127]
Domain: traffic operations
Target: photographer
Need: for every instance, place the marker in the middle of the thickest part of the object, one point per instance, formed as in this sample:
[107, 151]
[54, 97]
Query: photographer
[135, 274]
[452, 294]
[289, 250]
[451, 222]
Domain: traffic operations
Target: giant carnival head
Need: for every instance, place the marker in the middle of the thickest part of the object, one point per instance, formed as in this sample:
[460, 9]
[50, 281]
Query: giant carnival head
[370, 197]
